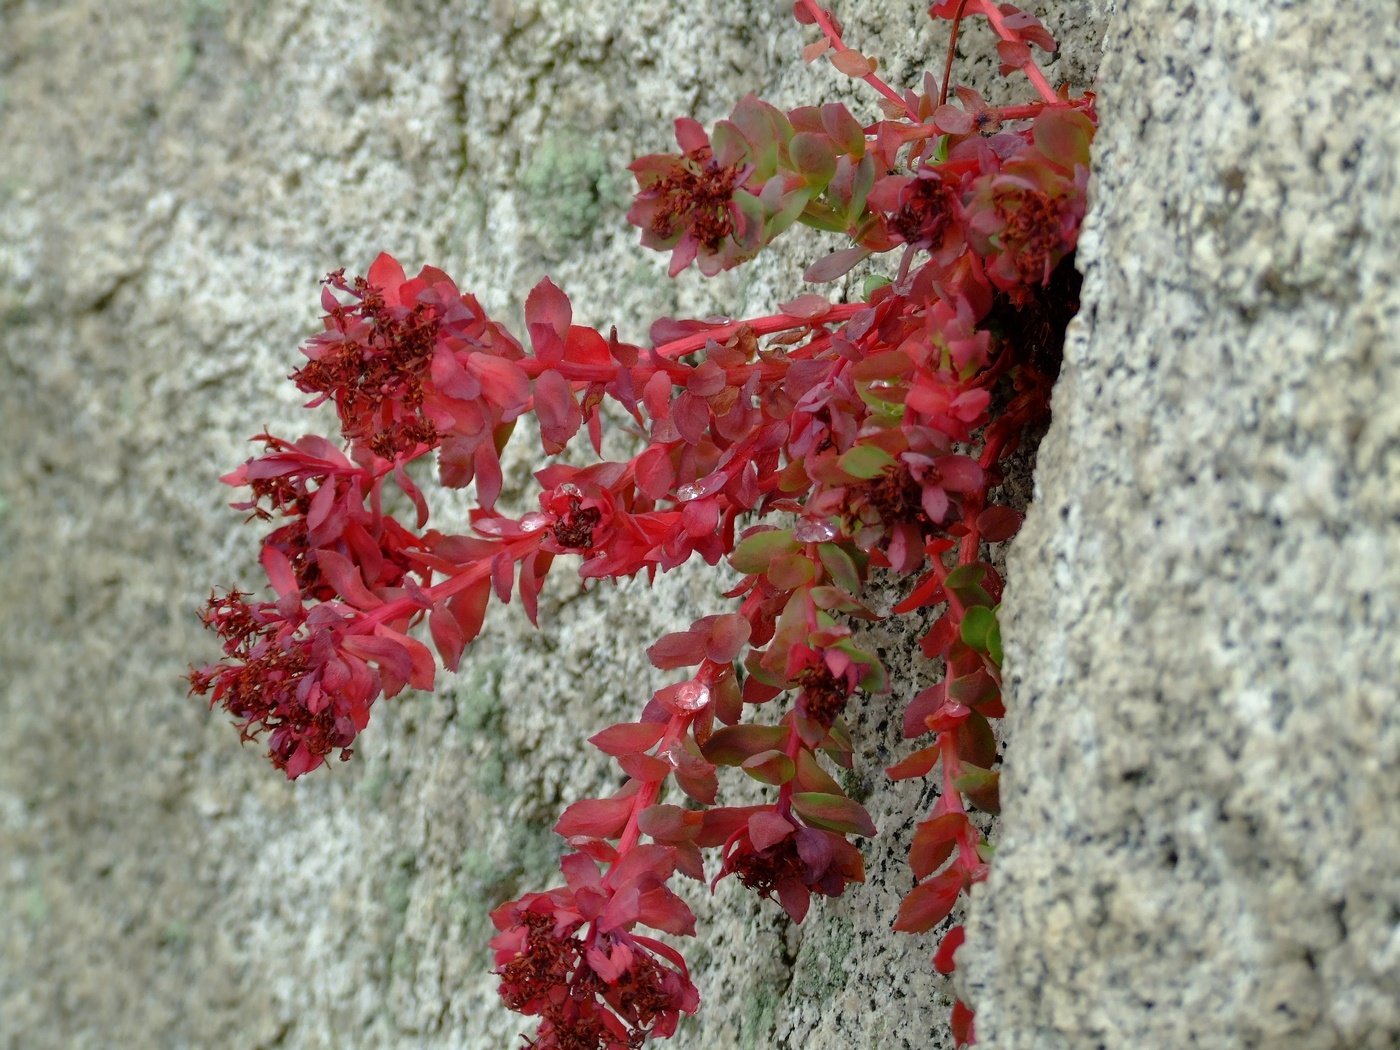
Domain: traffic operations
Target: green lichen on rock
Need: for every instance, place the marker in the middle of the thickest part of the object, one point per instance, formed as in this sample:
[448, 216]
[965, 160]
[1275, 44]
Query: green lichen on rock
[567, 187]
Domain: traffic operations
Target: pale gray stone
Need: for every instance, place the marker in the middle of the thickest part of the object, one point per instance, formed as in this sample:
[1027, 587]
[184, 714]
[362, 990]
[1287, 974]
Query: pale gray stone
[1202, 804]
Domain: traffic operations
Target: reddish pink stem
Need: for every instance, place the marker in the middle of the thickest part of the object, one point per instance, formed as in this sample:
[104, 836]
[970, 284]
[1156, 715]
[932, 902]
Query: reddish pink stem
[1037, 78]
[837, 44]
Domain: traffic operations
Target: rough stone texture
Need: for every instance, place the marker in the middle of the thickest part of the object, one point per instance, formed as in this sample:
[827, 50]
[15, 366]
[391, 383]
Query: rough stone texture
[1202, 823]
[174, 178]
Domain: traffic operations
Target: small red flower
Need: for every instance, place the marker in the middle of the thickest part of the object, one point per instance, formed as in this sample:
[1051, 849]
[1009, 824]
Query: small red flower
[801, 862]
[693, 202]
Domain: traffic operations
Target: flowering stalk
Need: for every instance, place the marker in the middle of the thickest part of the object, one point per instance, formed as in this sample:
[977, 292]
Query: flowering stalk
[875, 429]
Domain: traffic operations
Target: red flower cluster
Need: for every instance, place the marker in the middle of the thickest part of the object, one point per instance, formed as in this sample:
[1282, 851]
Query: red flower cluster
[413, 365]
[569, 957]
[289, 676]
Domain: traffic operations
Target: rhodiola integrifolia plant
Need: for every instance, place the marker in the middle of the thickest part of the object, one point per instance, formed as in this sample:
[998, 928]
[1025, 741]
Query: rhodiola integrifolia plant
[807, 448]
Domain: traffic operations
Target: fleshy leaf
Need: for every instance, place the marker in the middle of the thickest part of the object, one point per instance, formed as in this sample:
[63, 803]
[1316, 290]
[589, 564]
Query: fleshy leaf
[833, 812]
[929, 903]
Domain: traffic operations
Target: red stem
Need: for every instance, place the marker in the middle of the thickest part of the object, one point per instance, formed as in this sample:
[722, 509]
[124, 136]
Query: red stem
[650, 792]
[952, 44]
[837, 44]
[1037, 78]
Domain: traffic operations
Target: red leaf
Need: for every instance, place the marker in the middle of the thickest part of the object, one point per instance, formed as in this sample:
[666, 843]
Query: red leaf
[733, 745]
[447, 635]
[691, 414]
[345, 578]
[1013, 55]
[644, 767]
[628, 738]
[531, 571]
[728, 635]
[916, 765]
[766, 829]
[413, 492]
[680, 649]
[933, 842]
[718, 824]
[387, 275]
[952, 941]
[547, 318]
[486, 466]
[654, 472]
[600, 818]
[423, 668]
[929, 903]
[834, 265]
[999, 523]
[961, 1024]
[557, 411]
[853, 63]
[928, 591]
[469, 608]
[279, 572]
[833, 812]
[395, 664]
[952, 121]
[670, 823]
[503, 383]
[663, 910]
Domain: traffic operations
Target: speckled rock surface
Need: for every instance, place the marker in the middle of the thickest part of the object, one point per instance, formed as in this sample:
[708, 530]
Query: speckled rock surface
[1202, 799]
[174, 178]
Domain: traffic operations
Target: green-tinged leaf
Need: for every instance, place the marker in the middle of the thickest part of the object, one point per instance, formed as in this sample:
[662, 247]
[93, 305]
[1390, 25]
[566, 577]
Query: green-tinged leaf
[965, 576]
[755, 553]
[759, 672]
[845, 131]
[861, 186]
[789, 571]
[811, 776]
[876, 679]
[865, 461]
[872, 282]
[975, 741]
[1063, 135]
[769, 767]
[834, 599]
[821, 216]
[994, 643]
[841, 567]
[734, 745]
[790, 207]
[838, 744]
[728, 141]
[833, 812]
[981, 787]
[974, 690]
[887, 364]
[813, 158]
[977, 623]
[765, 128]
[929, 903]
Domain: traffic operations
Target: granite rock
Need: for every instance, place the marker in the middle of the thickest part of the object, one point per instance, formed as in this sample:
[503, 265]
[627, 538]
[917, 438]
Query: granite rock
[1201, 840]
